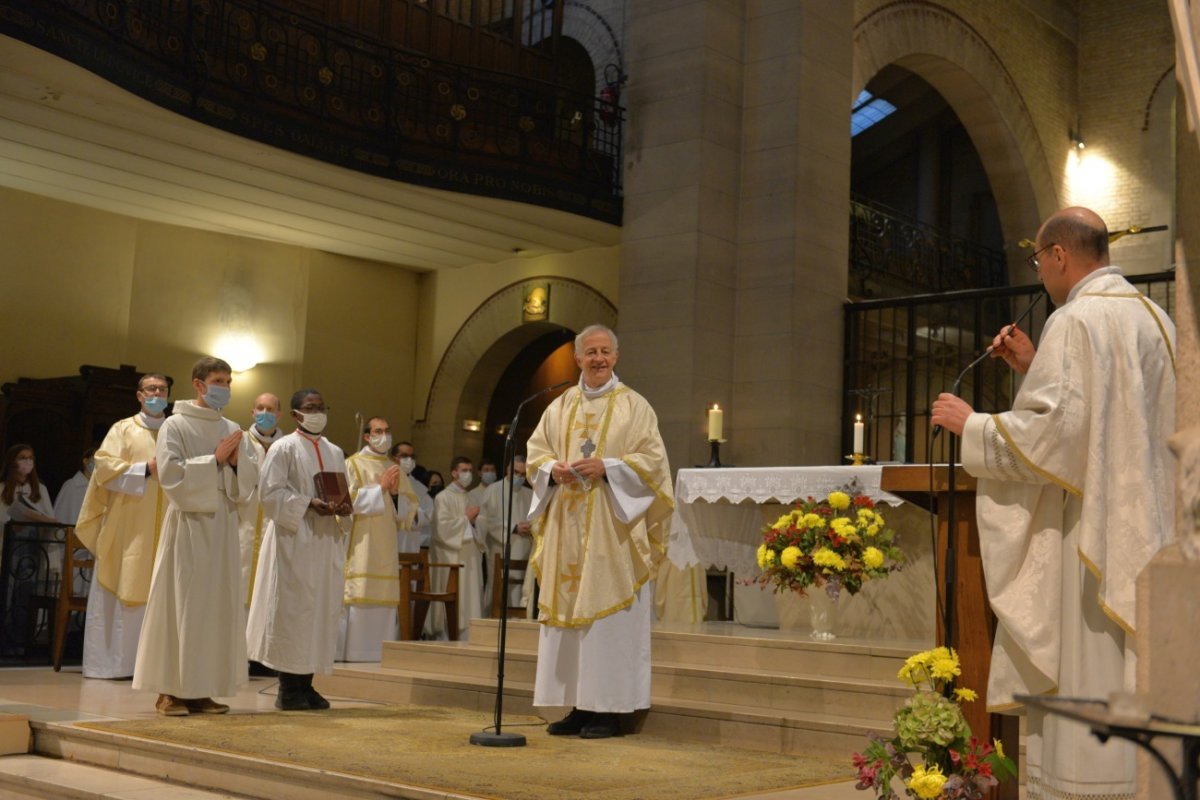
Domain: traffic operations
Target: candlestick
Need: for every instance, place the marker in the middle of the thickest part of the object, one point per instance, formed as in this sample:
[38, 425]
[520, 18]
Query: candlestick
[858, 433]
[715, 423]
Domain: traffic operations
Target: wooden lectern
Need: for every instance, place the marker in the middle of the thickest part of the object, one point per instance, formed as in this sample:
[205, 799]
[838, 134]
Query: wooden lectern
[974, 624]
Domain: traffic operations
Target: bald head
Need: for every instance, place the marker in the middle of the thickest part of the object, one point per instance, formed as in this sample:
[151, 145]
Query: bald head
[1081, 232]
[266, 412]
[267, 402]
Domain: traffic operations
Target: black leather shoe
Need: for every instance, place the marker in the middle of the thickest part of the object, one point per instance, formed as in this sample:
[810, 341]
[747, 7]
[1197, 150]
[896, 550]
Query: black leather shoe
[315, 701]
[292, 693]
[571, 724]
[601, 726]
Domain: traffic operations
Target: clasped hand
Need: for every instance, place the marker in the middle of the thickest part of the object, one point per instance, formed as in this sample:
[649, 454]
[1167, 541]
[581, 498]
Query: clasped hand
[587, 468]
[390, 479]
[327, 510]
[227, 449]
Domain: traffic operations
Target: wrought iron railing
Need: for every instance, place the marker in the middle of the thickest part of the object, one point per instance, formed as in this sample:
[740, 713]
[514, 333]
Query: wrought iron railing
[901, 353]
[892, 254]
[31, 559]
[255, 69]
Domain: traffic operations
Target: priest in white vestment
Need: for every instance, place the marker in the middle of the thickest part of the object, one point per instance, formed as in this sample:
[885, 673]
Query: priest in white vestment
[493, 512]
[602, 499]
[192, 647]
[421, 532]
[385, 508]
[119, 522]
[263, 433]
[456, 540]
[298, 587]
[1075, 496]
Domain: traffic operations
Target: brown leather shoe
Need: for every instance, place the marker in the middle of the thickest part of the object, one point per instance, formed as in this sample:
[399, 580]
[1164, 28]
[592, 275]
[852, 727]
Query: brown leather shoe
[206, 705]
[170, 706]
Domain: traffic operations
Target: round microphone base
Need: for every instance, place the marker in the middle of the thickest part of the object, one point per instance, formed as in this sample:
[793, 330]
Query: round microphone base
[502, 739]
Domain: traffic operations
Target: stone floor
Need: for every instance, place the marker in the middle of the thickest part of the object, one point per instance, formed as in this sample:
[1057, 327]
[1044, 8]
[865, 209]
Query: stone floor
[63, 696]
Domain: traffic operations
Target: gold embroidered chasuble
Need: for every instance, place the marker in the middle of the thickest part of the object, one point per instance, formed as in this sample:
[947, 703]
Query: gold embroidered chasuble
[121, 529]
[588, 561]
[1084, 447]
[372, 570]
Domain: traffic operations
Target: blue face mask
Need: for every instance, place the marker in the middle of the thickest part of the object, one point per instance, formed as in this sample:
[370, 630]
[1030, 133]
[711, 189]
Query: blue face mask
[155, 404]
[216, 397]
[265, 420]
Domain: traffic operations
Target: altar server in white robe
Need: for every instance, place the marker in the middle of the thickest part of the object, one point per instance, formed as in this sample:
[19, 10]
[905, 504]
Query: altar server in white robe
[192, 647]
[70, 497]
[263, 433]
[493, 511]
[1074, 499]
[119, 522]
[602, 499]
[293, 625]
[456, 540]
[385, 508]
[421, 533]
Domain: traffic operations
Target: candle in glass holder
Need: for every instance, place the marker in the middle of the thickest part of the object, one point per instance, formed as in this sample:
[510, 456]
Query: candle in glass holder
[715, 423]
[858, 433]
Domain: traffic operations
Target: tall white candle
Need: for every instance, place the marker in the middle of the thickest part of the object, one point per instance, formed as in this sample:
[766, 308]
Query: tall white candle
[715, 422]
[858, 433]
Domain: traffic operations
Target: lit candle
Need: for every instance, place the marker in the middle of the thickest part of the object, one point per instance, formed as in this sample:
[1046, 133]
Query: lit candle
[858, 433]
[715, 422]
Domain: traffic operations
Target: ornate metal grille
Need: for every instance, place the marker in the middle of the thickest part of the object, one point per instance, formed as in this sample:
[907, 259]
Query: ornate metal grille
[31, 559]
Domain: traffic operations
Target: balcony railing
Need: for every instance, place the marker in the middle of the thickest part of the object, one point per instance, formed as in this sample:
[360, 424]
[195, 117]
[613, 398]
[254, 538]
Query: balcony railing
[255, 69]
[901, 353]
[892, 254]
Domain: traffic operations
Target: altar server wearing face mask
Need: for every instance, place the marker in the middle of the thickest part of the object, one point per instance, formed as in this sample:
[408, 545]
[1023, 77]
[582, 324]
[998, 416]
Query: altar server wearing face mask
[385, 510]
[297, 602]
[264, 432]
[193, 647]
[119, 521]
[492, 515]
[456, 540]
[421, 533]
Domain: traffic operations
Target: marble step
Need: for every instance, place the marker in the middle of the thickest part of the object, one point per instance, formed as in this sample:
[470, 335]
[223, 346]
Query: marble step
[33, 777]
[755, 688]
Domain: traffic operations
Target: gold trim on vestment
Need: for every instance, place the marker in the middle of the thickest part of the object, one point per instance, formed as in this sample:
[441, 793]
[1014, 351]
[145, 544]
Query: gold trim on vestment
[1108, 611]
[646, 479]
[608, 612]
[1049, 476]
[1149, 309]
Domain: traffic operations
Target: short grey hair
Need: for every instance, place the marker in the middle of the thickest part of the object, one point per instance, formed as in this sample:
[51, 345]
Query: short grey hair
[589, 330]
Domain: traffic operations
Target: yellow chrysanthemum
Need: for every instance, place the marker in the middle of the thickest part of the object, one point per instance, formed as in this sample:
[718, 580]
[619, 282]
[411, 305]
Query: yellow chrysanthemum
[999, 747]
[965, 695]
[783, 523]
[828, 559]
[914, 670]
[815, 521]
[790, 556]
[926, 782]
[873, 558]
[839, 500]
[872, 530]
[945, 669]
[878, 520]
[762, 556]
[769, 559]
[866, 515]
[840, 525]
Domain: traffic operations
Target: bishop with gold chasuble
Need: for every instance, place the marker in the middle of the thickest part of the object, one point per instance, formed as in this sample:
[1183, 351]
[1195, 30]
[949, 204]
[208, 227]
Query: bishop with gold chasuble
[118, 522]
[598, 543]
[1075, 496]
[372, 589]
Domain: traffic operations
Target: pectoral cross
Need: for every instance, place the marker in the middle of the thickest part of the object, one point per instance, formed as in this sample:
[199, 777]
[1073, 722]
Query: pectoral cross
[585, 432]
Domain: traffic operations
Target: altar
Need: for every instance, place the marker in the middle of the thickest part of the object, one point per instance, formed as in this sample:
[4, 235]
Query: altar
[719, 521]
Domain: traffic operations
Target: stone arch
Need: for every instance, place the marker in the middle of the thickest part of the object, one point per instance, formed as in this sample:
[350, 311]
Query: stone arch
[482, 349]
[589, 23]
[950, 55]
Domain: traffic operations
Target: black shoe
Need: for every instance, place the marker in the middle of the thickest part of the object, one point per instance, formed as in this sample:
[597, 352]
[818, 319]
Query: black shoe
[315, 701]
[293, 695]
[571, 724]
[259, 670]
[601, 726]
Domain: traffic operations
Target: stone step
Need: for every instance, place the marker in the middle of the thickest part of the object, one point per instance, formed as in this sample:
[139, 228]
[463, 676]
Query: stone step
[26, 777]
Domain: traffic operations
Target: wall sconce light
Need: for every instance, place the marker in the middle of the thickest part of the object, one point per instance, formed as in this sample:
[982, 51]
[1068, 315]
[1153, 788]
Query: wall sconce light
[241, 350]
[502, 430]
[472, 425]
[1076, 140]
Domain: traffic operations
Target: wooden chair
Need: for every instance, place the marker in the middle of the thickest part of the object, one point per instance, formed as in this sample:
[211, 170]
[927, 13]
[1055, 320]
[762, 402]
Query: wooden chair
[67, 601]
[499, 594]
[414, 603]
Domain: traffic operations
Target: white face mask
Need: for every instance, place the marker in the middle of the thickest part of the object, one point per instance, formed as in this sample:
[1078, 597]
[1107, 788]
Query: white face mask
[488, 477]
[315, 421]
[380, 442]
[464, 478]
[25, 466]
[408, 464]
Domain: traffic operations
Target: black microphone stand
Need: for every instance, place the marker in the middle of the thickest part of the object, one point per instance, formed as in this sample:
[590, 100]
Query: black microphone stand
[951, 575]
[497, 737]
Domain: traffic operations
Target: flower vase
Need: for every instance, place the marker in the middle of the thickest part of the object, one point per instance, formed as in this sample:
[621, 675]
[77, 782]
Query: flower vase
[823, 614]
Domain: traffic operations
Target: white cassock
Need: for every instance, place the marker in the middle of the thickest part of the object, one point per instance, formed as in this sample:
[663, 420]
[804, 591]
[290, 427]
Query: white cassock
[119, 523]
[70, 499]
[597, 548]
[191, 644]
[250, 517]
[293, 624]
[492, 514]
[455, 541]
[23, 503]
[1075, 496]
[422, 530]
[372, 589]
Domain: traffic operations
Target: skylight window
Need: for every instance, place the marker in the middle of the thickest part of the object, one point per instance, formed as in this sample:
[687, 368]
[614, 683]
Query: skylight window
[868, 109]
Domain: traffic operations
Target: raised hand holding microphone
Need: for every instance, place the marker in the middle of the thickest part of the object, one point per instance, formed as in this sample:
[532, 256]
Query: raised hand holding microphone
[1015, 347]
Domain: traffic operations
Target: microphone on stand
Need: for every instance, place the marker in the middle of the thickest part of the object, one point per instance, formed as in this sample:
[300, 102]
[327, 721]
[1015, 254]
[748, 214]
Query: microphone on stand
[496, 737]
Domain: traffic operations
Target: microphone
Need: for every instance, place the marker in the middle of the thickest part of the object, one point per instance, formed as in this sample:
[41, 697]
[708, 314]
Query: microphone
[535, 396]
[1011, 327]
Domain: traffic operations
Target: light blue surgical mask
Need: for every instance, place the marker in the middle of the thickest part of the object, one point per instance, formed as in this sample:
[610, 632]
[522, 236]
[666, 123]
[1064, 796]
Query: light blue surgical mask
[265, 420]
[155, 404]
[216, 397]
[518, 480]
